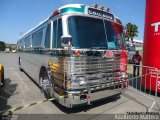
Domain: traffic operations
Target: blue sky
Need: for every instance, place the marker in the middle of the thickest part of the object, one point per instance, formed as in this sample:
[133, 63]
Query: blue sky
[18, 16]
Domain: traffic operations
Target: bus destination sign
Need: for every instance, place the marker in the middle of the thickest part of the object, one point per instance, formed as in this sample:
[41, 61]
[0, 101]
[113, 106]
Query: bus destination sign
[99, 13]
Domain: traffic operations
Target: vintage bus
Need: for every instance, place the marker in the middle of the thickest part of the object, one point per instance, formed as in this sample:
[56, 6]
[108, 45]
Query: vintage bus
[75, 54]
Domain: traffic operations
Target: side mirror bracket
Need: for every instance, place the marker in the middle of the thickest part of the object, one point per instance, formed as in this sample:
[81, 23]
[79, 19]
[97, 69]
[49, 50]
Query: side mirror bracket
[66, 41]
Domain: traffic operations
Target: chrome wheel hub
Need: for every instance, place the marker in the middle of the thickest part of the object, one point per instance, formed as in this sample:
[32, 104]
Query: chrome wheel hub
[45, 84]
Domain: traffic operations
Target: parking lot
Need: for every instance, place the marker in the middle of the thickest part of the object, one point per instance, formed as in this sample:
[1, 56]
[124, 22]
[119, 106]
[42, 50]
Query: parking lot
[20, 90]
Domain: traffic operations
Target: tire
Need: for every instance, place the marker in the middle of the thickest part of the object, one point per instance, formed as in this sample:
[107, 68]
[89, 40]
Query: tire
[45, 84]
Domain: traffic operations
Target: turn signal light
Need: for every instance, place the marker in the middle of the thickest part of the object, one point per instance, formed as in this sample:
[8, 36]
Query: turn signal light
[123, 54]
[56, 12]
[68, 85]
[102, 8]
[109, 54]
[108, 9]
[95, 5]
[77, 53]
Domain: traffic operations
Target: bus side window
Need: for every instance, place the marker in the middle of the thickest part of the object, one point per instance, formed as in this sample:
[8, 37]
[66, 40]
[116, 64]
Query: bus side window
[22, 43]
[54, 34]
[37, 38]
[57, 33]
[27, 42]
[48, 36]
[18, 45]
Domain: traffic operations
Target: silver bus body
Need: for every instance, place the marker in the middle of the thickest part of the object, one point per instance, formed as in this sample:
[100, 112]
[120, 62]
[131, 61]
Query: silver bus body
[73, 75]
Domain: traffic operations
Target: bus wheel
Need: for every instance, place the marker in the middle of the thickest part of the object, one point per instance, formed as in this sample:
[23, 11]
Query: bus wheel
[45, 84]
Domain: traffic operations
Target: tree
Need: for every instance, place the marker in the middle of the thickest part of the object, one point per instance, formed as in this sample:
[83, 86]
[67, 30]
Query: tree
[2, 46]
[131, 31]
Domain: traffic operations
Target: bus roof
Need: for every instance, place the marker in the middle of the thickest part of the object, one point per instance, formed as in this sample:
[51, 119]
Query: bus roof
[75, 8]
[36, 28]
[71, 5]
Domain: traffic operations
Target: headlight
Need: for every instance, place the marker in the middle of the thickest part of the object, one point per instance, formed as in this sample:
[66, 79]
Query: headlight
[74, 84]
[81, 80]
[123, 74]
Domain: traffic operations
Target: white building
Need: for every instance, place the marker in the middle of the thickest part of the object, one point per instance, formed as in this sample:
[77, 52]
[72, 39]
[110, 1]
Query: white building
[136, 45]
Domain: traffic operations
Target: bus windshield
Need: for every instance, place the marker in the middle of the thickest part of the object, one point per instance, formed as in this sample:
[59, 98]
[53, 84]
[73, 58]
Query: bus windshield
[89, 32]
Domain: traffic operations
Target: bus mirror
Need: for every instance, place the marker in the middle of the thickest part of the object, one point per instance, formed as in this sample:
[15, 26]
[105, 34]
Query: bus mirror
[66, 41]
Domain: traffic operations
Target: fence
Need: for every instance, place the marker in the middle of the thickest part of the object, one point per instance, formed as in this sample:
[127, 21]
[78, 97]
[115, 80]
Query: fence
[146, 84]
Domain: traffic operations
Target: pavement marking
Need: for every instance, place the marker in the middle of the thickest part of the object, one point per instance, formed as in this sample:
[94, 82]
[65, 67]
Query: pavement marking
[6, 112]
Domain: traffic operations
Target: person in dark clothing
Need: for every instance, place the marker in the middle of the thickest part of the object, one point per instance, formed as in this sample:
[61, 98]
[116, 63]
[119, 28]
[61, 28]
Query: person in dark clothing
[136, 61]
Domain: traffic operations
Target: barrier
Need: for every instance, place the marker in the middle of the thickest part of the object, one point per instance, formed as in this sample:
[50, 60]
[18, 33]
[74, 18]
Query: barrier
[139, 84]
[1, 75]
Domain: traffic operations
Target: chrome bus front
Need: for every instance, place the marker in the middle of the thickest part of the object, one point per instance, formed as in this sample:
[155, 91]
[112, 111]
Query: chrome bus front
[86, 79]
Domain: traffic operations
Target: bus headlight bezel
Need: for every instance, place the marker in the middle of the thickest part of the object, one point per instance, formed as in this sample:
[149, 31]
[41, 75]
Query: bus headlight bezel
[81, 80]
[123, 75]
[77, 82]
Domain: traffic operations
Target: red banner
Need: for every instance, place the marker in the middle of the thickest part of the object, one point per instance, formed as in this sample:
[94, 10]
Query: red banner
[151, 49]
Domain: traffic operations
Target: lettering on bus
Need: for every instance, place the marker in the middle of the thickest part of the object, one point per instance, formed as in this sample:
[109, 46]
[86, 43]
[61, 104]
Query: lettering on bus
[99, 13]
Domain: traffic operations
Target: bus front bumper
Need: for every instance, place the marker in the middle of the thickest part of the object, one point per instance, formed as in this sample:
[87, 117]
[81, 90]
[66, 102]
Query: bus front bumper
[74, 99]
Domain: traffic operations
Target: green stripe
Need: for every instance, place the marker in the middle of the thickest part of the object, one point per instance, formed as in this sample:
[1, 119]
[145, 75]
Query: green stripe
[73, 9]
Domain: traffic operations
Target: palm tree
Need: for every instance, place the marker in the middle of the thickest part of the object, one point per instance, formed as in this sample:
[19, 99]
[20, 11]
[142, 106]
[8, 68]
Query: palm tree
[131, 32]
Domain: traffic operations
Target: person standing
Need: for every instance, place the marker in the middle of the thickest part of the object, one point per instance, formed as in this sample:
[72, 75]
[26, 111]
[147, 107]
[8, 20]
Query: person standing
[136, 59]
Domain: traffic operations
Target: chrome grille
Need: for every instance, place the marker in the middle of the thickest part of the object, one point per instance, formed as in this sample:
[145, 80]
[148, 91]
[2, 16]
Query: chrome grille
[90, 65]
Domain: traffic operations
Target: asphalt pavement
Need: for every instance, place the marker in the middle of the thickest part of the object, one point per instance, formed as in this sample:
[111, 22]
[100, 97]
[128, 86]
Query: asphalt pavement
[20, 90]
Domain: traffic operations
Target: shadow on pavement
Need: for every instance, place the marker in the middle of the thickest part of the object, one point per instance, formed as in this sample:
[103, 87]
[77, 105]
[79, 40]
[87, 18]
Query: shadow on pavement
[85, 108]
[5, 93]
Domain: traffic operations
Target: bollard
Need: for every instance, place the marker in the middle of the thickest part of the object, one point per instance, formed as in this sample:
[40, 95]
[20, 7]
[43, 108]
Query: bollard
[1, 75]
[151, 46]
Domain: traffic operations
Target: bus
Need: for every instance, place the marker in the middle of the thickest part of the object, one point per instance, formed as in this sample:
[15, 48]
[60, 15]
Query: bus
[75, 55]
